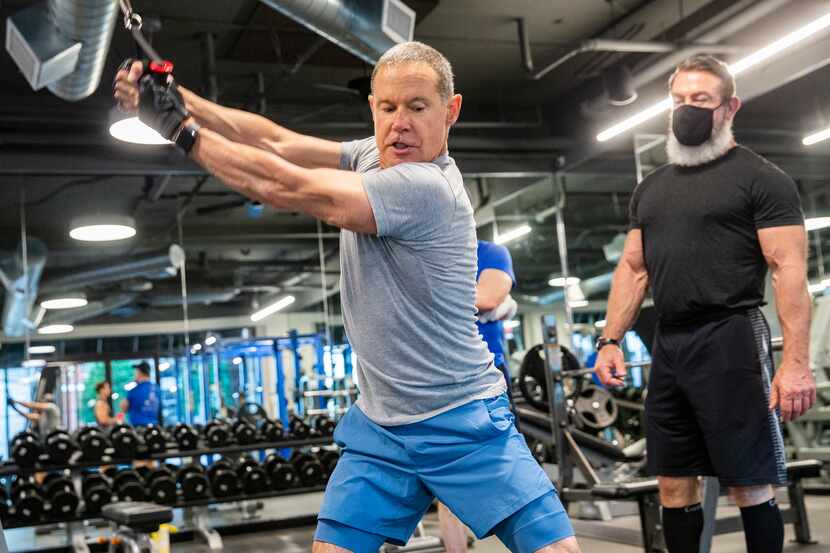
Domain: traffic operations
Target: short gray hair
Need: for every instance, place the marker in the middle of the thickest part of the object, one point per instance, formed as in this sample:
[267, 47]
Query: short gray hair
[713, 66]
[418, 52]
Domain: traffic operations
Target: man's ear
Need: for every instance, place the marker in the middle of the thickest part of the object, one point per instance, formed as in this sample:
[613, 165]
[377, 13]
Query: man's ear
[453, 109]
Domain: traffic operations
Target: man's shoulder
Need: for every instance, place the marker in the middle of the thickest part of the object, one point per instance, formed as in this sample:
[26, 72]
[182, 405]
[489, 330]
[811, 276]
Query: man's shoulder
[759, 164]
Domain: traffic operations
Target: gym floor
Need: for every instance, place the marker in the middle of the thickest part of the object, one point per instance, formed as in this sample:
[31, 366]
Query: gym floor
[298, 540]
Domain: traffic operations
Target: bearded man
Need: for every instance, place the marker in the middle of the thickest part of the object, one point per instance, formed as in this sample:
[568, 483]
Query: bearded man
[704, 229]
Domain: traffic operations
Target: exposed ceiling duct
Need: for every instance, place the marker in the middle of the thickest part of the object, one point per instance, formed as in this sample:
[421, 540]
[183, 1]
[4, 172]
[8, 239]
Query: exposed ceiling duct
[92, 309]
[21, 285]
[366, 28]
[199, 297]
[160, 265]
[63, 44]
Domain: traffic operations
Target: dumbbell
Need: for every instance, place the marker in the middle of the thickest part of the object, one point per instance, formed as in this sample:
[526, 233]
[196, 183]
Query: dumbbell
[26, 449]
[60, 446]
[92, 442]
[328, 458]
[309, 469]
[283, 475]
[192, 481]
[324, 425]
[128, 486]
[27, 501]
[185, 436]
[224, 481]
[59, 493]
[298, 428]
[96, 491]
[272, 430]
[253, 477]
[244, 432]
[161, 485]
[154, 438]
[216, 433]
[124, 441]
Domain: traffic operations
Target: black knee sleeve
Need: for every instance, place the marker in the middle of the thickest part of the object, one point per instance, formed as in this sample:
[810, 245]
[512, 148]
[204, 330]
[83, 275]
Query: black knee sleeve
[682, 527]
[763, 528]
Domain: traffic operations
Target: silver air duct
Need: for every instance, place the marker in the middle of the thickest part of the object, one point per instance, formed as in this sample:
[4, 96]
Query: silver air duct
[159, 265]
[20, 294]
[63, 44]
[92, 309]
[366, 28]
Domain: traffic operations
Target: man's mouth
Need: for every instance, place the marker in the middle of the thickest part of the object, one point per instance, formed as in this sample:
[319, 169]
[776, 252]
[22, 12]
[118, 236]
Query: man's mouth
[401, 147]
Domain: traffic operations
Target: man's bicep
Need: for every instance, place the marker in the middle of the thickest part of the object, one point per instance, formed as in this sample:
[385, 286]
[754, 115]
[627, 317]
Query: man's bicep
[785, 245]
[632, 255]
[339, 198]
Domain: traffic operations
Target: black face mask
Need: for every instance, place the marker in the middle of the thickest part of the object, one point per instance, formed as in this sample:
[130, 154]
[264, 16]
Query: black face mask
[692, 125]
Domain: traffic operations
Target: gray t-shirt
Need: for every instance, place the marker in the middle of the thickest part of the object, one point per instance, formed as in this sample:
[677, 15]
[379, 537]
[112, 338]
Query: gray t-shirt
[408, 293]
[50, 419]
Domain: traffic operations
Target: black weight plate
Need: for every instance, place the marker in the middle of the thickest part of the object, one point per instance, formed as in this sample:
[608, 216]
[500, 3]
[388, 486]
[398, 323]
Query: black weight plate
[130, 491]
[224, 483]
[254, 480]
[194, 485]
[283, 476]
[163, 490]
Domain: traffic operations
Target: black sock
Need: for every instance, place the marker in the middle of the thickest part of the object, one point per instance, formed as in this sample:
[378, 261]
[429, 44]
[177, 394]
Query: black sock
[682, 527]
[763, 528]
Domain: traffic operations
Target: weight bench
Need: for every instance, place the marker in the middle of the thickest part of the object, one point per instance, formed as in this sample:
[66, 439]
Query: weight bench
[646, 494]
[133, 522]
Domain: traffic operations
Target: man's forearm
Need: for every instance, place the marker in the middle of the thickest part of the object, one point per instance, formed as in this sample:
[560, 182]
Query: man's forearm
[628, 290]
[793, 305]
[255, 130]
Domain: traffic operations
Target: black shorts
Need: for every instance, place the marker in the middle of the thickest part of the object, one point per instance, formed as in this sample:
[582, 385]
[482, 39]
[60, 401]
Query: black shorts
[706, 409]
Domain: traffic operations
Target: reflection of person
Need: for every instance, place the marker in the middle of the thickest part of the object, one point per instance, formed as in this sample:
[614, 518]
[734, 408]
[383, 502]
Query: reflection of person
[103, 410]
[433, 418]
[142, 403]
[705, 229]
[44, 414]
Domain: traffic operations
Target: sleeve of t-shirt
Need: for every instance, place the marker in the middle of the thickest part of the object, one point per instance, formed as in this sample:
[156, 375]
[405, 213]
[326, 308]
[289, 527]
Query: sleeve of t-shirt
[352, 151]
[633, 218]
[498, 257]
[775, 199]
[410, 201]
[131, 396]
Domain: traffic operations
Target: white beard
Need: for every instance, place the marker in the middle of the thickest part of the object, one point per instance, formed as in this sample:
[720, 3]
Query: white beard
[718, 144]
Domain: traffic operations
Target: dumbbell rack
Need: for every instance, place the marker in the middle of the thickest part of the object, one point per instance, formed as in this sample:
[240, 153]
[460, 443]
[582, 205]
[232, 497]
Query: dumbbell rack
[76, 531]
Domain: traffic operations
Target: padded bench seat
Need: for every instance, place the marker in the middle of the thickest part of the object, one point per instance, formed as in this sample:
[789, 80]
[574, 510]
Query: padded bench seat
[140, 516]
[796, 470]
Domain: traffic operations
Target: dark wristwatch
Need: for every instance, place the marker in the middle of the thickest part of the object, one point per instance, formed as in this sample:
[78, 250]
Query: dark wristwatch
[186, 137]
[602, 342]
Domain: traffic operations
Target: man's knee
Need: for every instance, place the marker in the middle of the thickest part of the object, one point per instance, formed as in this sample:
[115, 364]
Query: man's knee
[568, 545]
[678, 492]
[323, 547]
[749, 496]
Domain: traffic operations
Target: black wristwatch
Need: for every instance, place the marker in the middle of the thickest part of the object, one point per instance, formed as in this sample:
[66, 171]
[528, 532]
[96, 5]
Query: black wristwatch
[603, 341]
[186, 137]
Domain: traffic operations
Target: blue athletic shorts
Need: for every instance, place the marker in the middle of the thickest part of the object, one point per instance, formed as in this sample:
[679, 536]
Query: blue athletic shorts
[471, 458]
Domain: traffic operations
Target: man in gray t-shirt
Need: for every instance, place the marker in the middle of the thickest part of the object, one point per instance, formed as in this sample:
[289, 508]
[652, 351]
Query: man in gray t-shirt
[44, 414]
[433, 419]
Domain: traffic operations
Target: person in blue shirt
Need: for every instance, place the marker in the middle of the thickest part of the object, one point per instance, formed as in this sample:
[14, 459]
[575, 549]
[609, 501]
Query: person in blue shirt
[494, 280]
[142, 403]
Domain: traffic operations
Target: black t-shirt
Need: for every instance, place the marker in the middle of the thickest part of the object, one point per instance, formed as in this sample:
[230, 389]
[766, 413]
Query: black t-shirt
[699, 227]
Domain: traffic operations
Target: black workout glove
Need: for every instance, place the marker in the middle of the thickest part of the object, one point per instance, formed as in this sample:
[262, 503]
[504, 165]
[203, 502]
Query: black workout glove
[160, 104]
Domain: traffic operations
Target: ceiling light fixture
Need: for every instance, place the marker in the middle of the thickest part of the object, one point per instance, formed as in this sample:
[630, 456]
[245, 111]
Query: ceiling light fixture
[509, 325]
[210, 340]
[561, 282]
[55, 329]
[816, 137]
[68, 300]
[601, 323]
[512, 234]
[281, 303]
[736, 68]
[578, 303]
[104, 228]
[34, 363]
[163, 366]
[128, 128]
[817, 223]
[41, 350]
